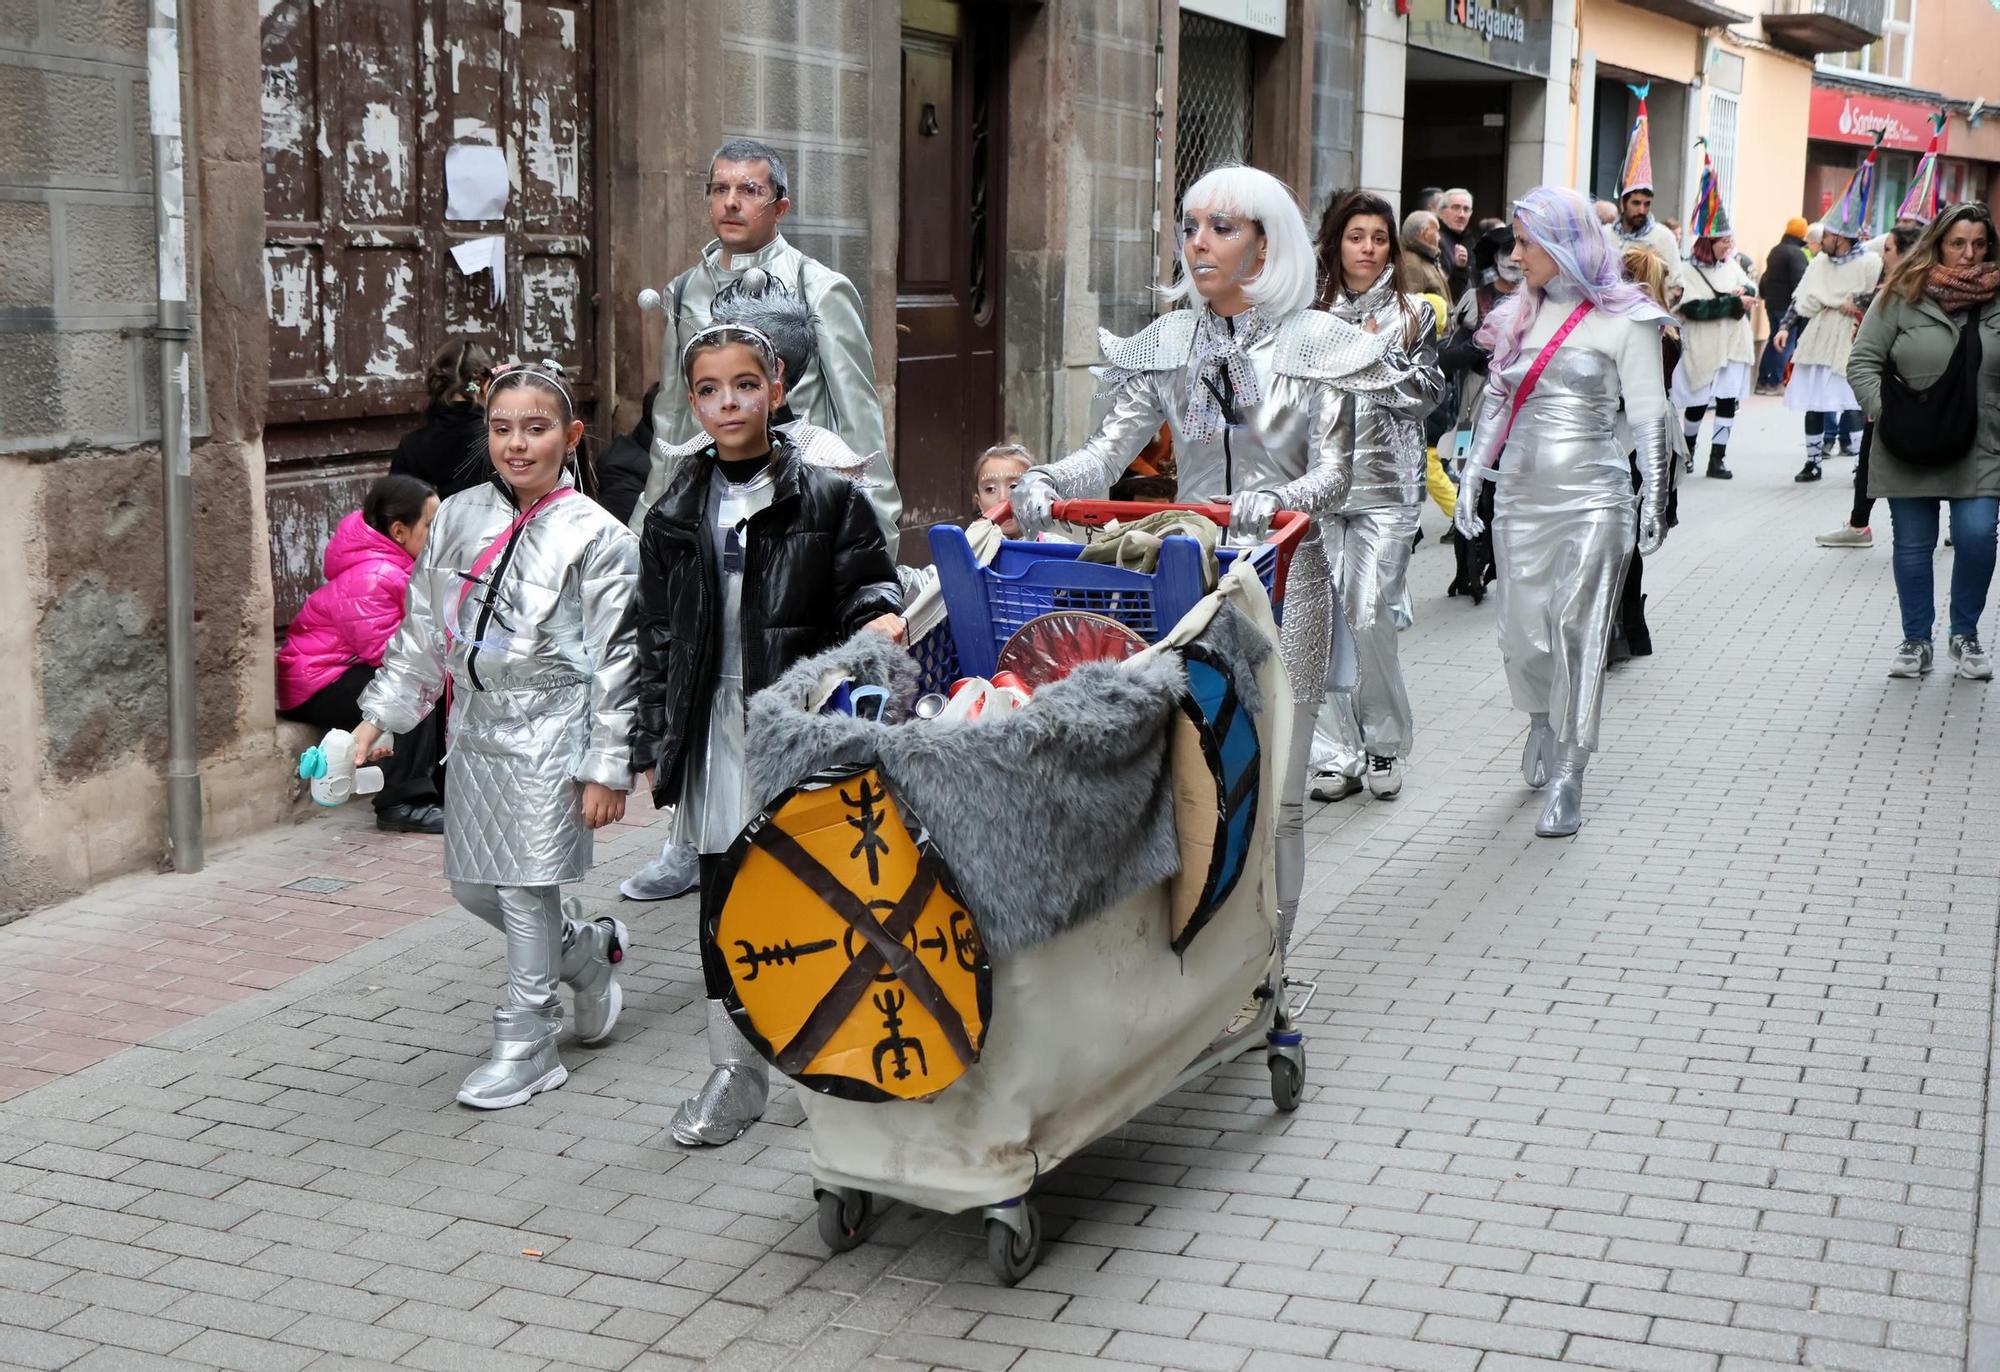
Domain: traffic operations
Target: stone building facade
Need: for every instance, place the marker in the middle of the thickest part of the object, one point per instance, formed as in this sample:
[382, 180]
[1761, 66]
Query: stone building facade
[1072, 174]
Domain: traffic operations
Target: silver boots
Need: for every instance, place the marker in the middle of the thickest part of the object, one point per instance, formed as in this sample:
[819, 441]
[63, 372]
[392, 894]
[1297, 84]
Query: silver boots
[524, 1060]
[590, 958]
[1562, 812]
[1540, 748]
[733, 1097]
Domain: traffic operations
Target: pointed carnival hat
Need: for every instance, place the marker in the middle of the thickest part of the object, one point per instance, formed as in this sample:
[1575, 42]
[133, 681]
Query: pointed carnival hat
[1849, 215]
[1926, 193]
[1710, 217]
[1637, 173]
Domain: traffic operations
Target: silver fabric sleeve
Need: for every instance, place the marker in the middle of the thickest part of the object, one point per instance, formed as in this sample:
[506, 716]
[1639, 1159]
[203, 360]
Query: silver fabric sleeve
[1656, 459]
[1329, 461]
[1421, 386]
[1489, 432]
[610, 575]
[411, 678]
[1136, 415]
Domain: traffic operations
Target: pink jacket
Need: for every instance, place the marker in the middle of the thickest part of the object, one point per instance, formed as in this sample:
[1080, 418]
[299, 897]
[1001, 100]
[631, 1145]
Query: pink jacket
[350, 618]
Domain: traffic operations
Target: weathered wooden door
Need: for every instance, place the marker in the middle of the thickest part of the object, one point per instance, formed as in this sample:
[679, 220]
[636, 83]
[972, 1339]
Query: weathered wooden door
[363, 100]
[951, 261]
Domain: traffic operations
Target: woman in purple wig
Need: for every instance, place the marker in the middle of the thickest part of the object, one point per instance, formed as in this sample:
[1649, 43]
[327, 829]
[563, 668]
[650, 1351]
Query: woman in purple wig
[1567, 350]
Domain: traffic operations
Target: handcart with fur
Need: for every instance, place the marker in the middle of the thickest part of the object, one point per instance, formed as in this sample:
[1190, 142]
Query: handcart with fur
[979, 945]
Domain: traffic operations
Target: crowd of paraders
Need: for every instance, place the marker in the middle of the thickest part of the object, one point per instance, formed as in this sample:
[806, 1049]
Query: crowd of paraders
[569, 620]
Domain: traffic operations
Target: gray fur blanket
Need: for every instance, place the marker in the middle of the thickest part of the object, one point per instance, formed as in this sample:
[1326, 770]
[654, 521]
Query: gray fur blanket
[1044, 816]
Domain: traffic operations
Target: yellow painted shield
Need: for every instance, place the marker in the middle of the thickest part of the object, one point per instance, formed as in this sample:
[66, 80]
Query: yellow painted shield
[855, 967]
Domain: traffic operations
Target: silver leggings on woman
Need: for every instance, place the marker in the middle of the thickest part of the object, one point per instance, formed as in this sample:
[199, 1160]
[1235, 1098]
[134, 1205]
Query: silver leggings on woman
[532, 920]
[1306, 641]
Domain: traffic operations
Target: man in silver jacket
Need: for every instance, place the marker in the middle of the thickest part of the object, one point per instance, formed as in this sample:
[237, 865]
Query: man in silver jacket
[539, 652]
[749, 194]
[1253, 382]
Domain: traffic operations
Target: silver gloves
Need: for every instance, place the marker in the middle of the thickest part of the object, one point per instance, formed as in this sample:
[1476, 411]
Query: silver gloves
[1465, 514]
[1250, 516]
[1034, 502]
[1656, 462]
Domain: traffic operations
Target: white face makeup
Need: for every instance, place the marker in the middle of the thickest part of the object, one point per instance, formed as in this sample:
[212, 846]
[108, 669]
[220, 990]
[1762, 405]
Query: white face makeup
[1221, 251]
[730, 395]
[526, 438]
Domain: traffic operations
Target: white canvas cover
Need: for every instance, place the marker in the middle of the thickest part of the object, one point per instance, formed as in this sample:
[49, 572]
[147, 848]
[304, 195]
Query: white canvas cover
[1087, 1029]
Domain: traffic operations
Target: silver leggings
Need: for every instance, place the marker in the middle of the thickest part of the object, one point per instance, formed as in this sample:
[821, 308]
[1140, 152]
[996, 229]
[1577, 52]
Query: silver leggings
[1291, 838]
[531, 918]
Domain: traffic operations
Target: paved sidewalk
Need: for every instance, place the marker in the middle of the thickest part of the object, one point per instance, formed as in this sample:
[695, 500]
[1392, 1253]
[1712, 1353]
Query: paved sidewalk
[1704, 1088]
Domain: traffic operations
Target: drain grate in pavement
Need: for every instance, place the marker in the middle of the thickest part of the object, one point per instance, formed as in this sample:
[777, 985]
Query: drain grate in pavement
[318, 886]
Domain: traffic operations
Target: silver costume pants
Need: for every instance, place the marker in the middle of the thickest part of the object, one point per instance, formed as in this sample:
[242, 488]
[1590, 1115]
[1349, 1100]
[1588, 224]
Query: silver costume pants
[1559, 579]
[1305, 640]
[531, 919]
[1370, 555]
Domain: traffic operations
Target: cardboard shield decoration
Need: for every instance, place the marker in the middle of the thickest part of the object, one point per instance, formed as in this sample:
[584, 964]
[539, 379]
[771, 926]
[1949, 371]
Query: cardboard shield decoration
[854, 967]
[1217, 765]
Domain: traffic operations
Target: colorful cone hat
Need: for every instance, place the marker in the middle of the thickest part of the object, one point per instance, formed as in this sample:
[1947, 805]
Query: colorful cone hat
[1925, 196]
[1849, 215]
[1709, 218]
[1637, 173]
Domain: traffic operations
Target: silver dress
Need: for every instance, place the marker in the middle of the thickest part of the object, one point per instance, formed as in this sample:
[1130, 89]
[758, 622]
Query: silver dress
[1564, 511]
[1368, 539]
[837, 392]
[543, 665]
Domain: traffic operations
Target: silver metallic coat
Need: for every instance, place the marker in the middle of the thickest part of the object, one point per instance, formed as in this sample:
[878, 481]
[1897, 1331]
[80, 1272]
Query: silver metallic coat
[542, 662]
[1306, 369]
[1564, 512]
[1384, 429]
[838, 390]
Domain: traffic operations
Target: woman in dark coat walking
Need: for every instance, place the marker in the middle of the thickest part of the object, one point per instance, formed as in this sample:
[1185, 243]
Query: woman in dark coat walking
[448, 451]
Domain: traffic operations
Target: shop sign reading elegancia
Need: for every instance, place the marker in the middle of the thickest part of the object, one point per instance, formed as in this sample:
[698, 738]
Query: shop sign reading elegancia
[1502, 33]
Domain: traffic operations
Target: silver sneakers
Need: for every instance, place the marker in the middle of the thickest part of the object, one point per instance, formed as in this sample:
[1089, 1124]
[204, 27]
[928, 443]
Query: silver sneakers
[1973, 664]
[1385, 777]
[590, 969]
[524, 1060]
[733, 1097]
[1846, 536]
[1535, 754]
[1334, 786]
[1913, 659]
[675, 872]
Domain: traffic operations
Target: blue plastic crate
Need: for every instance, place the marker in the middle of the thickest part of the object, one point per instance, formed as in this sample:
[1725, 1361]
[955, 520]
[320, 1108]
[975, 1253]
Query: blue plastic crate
[987, 605]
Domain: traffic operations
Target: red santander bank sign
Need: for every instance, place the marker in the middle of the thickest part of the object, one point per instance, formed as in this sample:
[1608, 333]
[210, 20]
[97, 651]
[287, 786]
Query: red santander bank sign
[1854, 117]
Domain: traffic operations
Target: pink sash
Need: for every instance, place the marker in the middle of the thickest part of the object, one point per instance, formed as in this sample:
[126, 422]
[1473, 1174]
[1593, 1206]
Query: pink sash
[1541, 363]
[493, 550]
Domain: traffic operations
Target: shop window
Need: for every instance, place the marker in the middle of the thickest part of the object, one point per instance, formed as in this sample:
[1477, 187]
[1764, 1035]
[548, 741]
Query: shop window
[1212, 122]
[1888, 57]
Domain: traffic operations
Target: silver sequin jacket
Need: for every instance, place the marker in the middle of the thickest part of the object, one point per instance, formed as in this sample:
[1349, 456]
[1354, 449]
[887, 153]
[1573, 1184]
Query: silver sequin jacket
[1385, 429]
[543, 667]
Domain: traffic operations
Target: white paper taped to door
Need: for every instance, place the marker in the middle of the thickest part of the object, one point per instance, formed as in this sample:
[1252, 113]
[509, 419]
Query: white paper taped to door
[484, 255]
[475, 182]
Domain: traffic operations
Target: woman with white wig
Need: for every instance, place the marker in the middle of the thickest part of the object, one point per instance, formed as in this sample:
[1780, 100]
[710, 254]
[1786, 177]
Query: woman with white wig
[1566, 350]
[1250, 378]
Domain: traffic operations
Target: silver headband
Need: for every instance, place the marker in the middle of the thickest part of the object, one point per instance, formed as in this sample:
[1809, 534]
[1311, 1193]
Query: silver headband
[756, 338]
[503, 372]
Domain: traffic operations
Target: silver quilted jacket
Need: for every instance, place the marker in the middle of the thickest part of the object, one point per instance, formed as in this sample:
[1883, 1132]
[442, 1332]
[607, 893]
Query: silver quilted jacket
[542, 664]
[1385, 428]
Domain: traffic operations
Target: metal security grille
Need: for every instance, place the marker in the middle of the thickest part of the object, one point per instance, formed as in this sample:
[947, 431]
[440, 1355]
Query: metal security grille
[1722, 143]
[1212, 124]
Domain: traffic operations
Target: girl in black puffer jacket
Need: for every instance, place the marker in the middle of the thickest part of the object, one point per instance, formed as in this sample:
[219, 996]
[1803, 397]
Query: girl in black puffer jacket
[750, 560]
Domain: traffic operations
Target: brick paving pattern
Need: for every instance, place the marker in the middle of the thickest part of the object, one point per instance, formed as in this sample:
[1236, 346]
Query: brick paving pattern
[1705, 1088]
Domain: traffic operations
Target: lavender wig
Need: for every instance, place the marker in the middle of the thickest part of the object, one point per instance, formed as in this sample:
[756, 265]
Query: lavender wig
[1564, 225]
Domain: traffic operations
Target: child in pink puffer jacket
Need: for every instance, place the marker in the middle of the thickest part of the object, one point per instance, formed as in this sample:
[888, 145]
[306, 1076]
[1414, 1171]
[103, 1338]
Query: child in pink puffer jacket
[336, 640]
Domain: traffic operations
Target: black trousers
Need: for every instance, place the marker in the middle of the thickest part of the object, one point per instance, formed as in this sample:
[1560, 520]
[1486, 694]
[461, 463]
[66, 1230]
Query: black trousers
[414, 773]
[714, 968]
[1864, 508]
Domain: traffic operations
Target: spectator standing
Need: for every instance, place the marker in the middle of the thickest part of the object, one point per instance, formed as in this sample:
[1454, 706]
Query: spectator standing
[448, 450]
[1423, 265]
[1456, 237]
[1945, 287]
[1784, 265]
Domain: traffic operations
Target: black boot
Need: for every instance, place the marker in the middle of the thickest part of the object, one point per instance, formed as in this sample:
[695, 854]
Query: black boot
[1717, 468]
[419, 817]
[1809, 472]
[1638, 638]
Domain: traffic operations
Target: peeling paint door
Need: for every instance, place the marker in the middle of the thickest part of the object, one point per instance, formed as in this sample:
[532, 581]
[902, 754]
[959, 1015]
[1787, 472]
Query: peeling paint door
[363, 100]
[951, 257]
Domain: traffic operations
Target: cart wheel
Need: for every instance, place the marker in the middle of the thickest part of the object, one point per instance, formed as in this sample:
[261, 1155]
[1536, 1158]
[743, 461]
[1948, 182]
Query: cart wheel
[842, 1217]
[1288, 1082]
[1010, 1255]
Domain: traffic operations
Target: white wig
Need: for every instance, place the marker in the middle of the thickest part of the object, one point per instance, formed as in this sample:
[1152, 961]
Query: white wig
[1290, 275]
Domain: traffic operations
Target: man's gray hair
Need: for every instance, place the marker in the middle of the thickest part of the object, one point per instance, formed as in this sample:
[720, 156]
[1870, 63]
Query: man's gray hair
[785, 320]
[1459, 190]
[1416, 221]
[751, 150]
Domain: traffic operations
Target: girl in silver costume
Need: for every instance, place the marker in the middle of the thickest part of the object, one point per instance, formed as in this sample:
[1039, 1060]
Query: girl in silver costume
[1254, 383]
[1564, 508]
[521, 603]
[1365, 727]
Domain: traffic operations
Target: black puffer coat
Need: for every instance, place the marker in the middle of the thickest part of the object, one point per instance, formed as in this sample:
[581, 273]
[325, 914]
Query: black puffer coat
[448, 451]
[622, 468]
[818, 570]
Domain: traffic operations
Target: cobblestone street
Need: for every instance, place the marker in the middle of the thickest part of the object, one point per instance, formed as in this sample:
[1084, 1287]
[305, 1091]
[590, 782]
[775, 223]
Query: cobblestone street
[1705, 1089]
